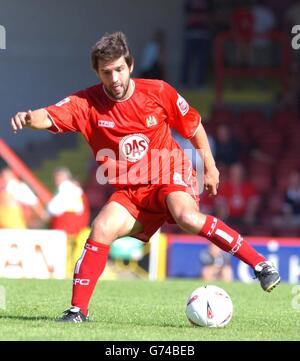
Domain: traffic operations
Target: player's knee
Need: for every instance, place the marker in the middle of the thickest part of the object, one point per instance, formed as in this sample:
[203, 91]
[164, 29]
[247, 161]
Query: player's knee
[190, 221]
[103, 231]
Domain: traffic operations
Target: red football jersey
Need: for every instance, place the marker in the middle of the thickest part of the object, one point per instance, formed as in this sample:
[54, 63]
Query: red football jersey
[131, 139]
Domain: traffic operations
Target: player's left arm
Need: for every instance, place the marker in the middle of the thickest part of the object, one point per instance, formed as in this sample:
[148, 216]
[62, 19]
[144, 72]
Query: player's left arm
[187, 121]
[211, 173]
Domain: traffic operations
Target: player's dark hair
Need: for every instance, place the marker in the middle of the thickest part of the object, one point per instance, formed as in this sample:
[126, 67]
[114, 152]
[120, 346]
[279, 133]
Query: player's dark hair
[111, 47]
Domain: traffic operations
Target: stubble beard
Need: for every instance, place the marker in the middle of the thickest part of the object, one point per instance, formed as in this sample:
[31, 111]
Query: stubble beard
[123, 94]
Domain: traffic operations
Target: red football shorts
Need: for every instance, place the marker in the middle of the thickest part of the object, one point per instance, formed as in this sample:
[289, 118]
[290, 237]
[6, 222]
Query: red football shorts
[147, 204]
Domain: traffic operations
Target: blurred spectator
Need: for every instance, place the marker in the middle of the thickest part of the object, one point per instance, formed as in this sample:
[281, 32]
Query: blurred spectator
[216, 264]
[264, 21]
[69, 211]
[237, 201]
[197, 37]
[291, 99]
[290, 217]
[152, 64]
[228, 149]
[221, 16]
[292, 195]
[279, 7]
[242, 27]
[23, 209]
[292, 15]
[11, 212]
[291, 18]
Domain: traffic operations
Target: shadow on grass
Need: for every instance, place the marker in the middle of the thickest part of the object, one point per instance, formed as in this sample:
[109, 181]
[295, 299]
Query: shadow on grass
[96, 320]
[27, 318]
[141, 323]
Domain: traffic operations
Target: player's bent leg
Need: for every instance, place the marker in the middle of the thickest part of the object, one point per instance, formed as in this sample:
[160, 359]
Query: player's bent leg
[113, 221]
[185, 212]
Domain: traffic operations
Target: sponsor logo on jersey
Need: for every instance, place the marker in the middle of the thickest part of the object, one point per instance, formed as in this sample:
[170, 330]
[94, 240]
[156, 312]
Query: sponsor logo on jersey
[151, 121]
[106, 123]
[182, 104]
[62, 102]
[134, 147]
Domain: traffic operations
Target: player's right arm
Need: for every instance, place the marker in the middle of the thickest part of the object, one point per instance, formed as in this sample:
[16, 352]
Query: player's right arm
[37, 119]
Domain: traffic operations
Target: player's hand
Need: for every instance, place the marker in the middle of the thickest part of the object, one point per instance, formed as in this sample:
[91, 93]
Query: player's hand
[21, 120]
[211, 180]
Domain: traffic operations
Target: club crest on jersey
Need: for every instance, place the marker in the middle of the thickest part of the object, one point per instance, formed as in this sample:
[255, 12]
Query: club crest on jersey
[134, 147]
[106, 123]
[182, 104]
[62, 102]
[151, 121]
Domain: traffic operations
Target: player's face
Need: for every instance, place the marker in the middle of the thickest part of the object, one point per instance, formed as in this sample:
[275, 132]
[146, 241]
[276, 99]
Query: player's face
[115, 76]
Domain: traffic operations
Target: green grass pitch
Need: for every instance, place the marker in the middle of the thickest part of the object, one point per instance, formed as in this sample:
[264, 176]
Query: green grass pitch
[144, 310]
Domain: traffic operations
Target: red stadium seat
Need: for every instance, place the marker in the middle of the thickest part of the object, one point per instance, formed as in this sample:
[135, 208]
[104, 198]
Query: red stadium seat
[223, 116]
[252, 118]
[271, 144]
[274, 203]
[284, 118]
[262, 182]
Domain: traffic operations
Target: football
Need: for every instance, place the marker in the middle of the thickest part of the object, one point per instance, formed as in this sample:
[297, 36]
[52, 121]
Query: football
[209, 306]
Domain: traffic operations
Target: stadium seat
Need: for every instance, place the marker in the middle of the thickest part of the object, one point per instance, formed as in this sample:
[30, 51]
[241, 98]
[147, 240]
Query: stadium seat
[262, 182]
[223, 116]
[250, 118]
[284, 118]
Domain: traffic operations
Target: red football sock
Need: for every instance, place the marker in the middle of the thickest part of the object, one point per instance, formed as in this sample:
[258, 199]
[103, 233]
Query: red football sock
[230, 241]
[88, 269]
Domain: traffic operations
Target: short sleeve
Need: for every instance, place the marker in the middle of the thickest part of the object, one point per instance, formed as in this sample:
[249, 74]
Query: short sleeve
[180, 115]
[68, 115]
